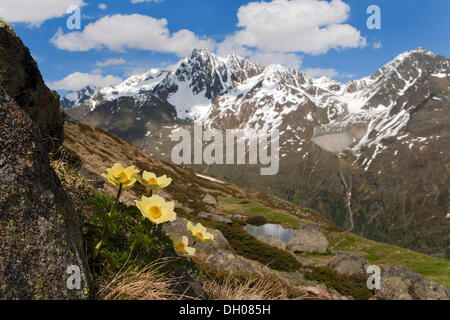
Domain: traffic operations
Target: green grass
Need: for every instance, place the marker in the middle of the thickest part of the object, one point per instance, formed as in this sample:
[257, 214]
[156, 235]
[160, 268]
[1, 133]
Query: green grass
[434, 269]
[254, 208]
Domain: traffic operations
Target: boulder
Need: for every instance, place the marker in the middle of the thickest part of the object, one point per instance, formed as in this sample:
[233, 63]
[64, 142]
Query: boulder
[22, 81]
[40, 235]
[215, 217]
[271, 241]
[310, 239]
[401, 283]
[348, 264]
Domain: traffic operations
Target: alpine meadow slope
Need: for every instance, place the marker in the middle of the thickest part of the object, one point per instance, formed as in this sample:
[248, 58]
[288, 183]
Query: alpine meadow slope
[347, 150]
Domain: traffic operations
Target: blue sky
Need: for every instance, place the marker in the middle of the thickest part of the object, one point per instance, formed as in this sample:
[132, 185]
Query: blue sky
[118, 39]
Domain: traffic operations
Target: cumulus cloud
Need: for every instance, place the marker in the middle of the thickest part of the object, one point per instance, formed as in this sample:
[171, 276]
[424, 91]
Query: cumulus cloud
[102, 6]
[110, 62]
[324, 72]
[309, 26]
[321, 72]
[78, 80]
[33, 13]
[229, 46]
[141, 32]
[289, 60]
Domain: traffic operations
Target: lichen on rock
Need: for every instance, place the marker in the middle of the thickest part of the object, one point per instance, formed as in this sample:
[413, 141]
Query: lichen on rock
[40, 233]
[308, 239]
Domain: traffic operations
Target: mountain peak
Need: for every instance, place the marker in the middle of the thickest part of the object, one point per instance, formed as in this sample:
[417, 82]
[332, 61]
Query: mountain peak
[420, 51]
[74, 98]
[203, 53]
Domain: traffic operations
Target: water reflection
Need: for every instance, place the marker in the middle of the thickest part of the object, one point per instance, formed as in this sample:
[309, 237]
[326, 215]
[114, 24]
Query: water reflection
[272, 230]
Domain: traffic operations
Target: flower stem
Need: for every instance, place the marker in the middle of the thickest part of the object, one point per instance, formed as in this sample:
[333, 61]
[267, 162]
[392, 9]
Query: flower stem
[113, 208]
[106, 227]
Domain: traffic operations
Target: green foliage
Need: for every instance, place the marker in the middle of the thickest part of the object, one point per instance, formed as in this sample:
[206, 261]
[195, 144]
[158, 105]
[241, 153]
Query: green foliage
[251, 248]
[346, 285]
[132, 240]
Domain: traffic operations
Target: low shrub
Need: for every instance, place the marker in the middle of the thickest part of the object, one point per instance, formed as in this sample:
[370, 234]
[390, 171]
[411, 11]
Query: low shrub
[347, 285]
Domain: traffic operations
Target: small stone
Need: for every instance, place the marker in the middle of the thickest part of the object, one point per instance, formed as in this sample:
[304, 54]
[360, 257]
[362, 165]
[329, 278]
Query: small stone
[209, 199]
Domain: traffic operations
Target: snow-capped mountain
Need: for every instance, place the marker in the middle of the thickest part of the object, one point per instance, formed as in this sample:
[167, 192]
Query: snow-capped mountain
[233, 92]
[75, 98]
[344, 147]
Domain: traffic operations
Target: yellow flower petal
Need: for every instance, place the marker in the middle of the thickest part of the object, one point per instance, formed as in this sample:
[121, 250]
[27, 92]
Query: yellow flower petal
[190, 251]
[156, 209]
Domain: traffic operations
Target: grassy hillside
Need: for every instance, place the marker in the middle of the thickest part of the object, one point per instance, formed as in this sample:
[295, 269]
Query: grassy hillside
[99, 150]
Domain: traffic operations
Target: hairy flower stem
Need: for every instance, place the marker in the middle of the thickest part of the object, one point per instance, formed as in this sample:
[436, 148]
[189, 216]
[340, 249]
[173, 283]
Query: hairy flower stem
[106, 229]
[113, 209]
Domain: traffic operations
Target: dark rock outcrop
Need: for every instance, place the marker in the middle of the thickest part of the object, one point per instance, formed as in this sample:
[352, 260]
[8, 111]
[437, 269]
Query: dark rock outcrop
[22, 81]
[41, 248]
[39, 229]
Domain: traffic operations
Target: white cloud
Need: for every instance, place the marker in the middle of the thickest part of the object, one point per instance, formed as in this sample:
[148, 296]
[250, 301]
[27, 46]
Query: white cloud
[324, 72]
[110, 62]
[289, 60]
[377, 45]
[141, 32]
[229, 45]
[321, 72]
[102, 6]
[33, 13]
[309, 26]
[78, 80]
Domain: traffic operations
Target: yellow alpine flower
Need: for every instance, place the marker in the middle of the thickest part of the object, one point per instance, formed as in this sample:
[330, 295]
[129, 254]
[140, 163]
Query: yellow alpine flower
[150, 180]
[199, 231]
[118, 175]
[180, 244]
[156, 209]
